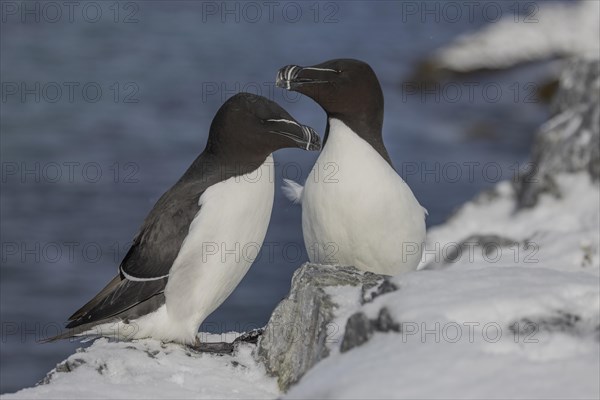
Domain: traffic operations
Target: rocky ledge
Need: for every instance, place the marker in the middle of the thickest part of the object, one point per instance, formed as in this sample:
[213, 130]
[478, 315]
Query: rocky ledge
[506, 303]
[305, 327]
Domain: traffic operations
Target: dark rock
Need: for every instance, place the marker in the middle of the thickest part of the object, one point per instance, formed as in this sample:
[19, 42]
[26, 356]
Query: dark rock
[66, 366]
[236, 364]
[561, 321]
[300, 329]
[489, 244]
[152, 354]
[385, 322]
[226, 347]
[546, 92]
[370, 293]
[101, 368]
[69, 365]
[570, 141]
[250, 337]
[359, 330]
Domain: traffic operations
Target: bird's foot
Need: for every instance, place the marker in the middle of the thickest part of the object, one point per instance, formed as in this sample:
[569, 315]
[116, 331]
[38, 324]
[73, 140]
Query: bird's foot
[225, 347]
[250, 336]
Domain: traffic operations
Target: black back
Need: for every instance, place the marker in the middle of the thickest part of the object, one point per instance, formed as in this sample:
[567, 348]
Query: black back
[239, 141]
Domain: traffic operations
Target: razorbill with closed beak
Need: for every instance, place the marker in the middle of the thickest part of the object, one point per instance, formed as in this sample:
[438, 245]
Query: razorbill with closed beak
[356, 210]
[199, 239]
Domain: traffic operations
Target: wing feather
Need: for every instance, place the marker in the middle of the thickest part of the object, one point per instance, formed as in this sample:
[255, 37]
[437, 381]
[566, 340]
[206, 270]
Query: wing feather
[124, 296]
[144, 271]
[159, 240]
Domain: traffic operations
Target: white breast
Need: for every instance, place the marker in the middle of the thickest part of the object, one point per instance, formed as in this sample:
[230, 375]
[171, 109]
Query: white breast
[222, 243]
[356, 210]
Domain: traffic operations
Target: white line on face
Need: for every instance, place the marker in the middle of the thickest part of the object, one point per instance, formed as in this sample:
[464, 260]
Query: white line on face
[320, 69]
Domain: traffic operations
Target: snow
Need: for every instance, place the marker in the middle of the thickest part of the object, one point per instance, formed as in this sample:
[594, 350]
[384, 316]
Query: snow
[481, 329]
[505, 324]
[148, 369]
[562, 233]
[347, 300]
[554, 29]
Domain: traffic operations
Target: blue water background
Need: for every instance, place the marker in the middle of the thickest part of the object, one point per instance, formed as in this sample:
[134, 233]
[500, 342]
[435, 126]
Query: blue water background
[181, 63]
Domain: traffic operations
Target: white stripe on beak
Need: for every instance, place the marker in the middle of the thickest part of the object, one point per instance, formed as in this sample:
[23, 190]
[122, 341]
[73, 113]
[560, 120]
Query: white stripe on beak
[309, 136]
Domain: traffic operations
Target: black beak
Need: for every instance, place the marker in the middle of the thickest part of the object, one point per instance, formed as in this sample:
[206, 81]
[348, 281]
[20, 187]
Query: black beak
[303, 136]
[291, 77]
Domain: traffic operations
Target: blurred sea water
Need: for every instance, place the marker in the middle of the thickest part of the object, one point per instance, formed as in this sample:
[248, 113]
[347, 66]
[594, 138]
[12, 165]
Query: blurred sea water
[83, 164]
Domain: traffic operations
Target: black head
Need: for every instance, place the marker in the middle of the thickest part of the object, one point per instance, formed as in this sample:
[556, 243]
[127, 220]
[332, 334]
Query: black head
[347, 90]
[342, 87]
[250, 127]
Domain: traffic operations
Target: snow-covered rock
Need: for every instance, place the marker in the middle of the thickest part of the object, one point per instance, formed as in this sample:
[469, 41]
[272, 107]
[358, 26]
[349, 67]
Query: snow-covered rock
[570, 141]
[505, 304]
[473, 331]
[148, 369]
[543, 31]
[515, 313]
[306, 325]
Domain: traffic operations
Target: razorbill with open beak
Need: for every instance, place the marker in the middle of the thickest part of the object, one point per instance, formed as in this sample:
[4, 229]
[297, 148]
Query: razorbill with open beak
[200, 238]
[356, 210]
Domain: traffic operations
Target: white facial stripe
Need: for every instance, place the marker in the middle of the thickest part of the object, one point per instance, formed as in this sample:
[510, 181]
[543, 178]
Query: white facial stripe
[135, 279]
[320, 69]
[305, 130]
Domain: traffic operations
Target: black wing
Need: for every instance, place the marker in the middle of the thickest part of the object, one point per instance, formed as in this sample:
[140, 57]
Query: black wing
[139, 287]
[125, 300]
[159, 240]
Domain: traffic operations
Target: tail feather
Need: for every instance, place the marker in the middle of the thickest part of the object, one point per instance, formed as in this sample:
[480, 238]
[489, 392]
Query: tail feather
[112, 285]
[98, 326]
[293, 191]
[86, 329]
[120, 300]
[83, 331]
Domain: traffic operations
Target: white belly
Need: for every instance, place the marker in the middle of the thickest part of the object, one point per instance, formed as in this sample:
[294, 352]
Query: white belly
[222, 243]
[356, 210]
